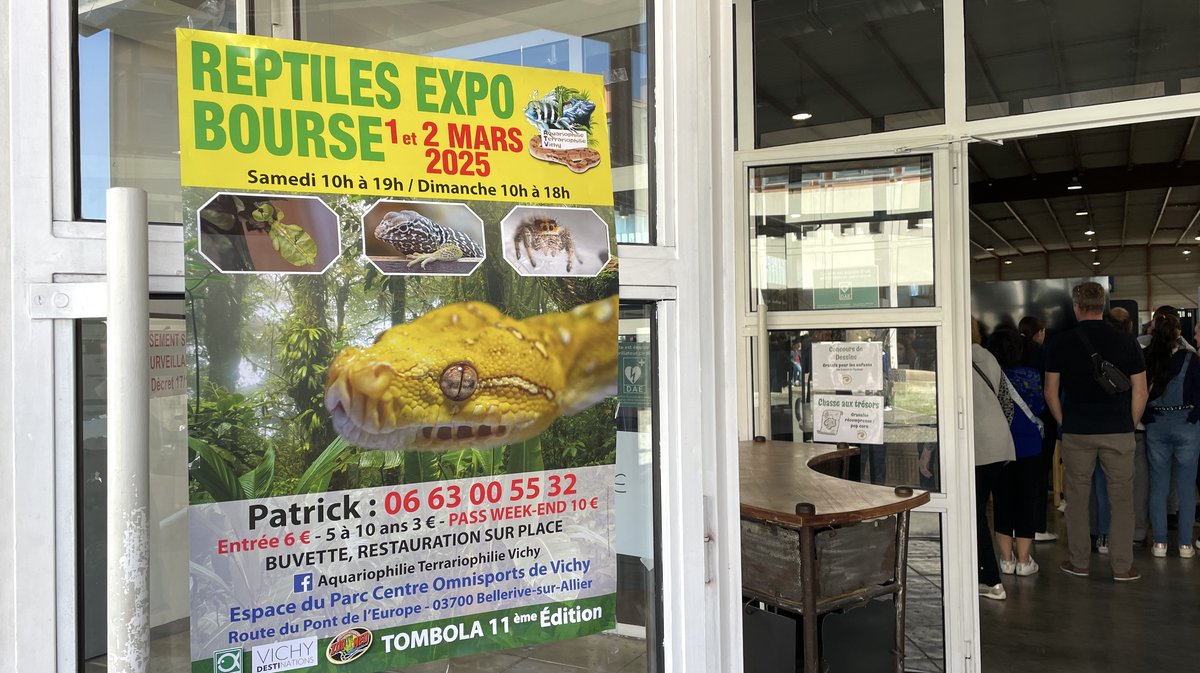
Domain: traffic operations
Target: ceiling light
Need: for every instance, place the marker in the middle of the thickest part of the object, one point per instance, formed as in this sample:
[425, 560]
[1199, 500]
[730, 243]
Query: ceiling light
[1187, 252]
[1090, 232]
[1081, 212]
[1074, 184]
[1008, 261]
[992, 249]
[1198, 238]
[1094, 250]
[1095, 262]
[802, 107]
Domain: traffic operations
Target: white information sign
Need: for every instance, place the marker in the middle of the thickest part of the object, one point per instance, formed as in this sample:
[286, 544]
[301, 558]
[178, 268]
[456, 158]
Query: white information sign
[847, 365]
[856, 419]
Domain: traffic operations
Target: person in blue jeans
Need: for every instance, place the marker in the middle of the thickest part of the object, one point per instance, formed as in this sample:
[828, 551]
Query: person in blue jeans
[1172, 432]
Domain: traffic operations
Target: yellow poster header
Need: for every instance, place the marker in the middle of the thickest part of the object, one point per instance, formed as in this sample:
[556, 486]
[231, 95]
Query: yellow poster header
[259, 113]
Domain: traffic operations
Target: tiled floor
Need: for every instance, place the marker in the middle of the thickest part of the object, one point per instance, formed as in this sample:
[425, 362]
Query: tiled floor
[1052, 621]
[925, 647]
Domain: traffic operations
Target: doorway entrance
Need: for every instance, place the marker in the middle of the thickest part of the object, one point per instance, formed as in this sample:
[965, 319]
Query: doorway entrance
[1119, 205]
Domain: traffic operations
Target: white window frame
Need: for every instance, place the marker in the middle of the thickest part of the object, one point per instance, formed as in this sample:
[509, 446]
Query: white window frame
[51, 246]
[952, 260]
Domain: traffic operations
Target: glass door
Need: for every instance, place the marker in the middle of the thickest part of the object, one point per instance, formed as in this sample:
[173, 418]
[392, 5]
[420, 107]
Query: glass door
[850, 288]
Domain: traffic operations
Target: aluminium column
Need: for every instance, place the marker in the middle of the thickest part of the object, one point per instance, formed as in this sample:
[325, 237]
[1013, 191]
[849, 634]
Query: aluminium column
[128, 431]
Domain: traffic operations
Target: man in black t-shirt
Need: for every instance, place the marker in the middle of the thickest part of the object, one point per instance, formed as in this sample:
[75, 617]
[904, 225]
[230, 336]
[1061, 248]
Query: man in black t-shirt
[1096, 424]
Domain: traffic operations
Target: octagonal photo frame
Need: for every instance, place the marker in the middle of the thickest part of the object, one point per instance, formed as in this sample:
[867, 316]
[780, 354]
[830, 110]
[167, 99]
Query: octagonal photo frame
[402, 237]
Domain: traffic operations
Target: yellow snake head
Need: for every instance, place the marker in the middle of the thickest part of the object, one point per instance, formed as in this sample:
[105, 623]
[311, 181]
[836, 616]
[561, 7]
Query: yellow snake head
[468, 376]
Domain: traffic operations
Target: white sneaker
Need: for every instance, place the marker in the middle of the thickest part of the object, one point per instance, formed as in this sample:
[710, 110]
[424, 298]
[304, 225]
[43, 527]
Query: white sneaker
[1102, 544]
[1045, 537]
[1062, 506]
[995, 593]
[1027, 569]
[1186, 551]
[1159, 550]
[1008, 567]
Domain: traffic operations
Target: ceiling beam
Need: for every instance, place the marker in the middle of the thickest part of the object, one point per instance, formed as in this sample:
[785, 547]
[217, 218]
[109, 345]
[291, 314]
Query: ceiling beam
[1108, 180]
[1181, 293]
[1124, 218]
[762, 94]
[984, 248]
[988, 80]
[793, 44]
[1188, 228]
[994, 232]
[874, 35]
[1187, 143]
[1158, 220]
[1057, 223]
[1025, 226]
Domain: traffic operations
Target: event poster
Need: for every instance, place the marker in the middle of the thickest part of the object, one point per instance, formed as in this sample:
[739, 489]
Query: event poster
[856, 419]
[402, 355]
[847, 365]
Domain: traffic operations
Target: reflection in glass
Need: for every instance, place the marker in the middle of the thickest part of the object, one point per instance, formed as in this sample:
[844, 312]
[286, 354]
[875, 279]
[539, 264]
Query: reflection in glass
[842, 234]
[128, 121]
[635, 646]
[845, 68]
[805, 367]
[925, 651]
[1032, 56]
[168, 498]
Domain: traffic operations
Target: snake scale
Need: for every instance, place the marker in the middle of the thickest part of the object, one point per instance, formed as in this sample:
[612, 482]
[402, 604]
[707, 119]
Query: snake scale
[467, 376]
[413, 234]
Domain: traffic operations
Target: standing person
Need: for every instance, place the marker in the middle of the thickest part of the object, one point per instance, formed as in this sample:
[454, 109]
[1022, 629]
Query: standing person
[1097, 423]
[1015, 506]
[1033, 336]
[992, 403]
[1172, 435]
[1124, 322]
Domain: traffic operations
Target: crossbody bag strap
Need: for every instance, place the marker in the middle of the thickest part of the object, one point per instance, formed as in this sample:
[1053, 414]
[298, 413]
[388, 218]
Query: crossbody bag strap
[1087, 343]
[985, 379]
[1020, 402]
[1007, 409]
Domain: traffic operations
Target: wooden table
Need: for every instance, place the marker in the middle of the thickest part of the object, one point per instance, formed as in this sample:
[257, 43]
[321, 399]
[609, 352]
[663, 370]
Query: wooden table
[813, 543]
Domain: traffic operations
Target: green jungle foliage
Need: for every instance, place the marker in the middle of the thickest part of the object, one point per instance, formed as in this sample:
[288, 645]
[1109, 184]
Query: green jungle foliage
[259, 347]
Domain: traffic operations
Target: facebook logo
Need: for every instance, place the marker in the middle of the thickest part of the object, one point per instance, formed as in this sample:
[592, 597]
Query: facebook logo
[302, 582]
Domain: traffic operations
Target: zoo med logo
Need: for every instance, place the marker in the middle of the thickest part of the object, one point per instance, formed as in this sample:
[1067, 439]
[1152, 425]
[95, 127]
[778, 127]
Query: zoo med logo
[348, 645]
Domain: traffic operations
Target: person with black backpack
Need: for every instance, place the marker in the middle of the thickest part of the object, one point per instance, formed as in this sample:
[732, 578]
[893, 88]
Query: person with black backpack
[1102, 378]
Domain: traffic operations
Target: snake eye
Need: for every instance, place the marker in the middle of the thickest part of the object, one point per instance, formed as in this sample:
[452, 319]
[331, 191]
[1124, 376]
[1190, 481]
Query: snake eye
[459, 380]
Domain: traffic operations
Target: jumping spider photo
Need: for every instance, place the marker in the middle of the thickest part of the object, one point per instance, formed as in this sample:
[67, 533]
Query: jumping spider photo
[545, 235]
